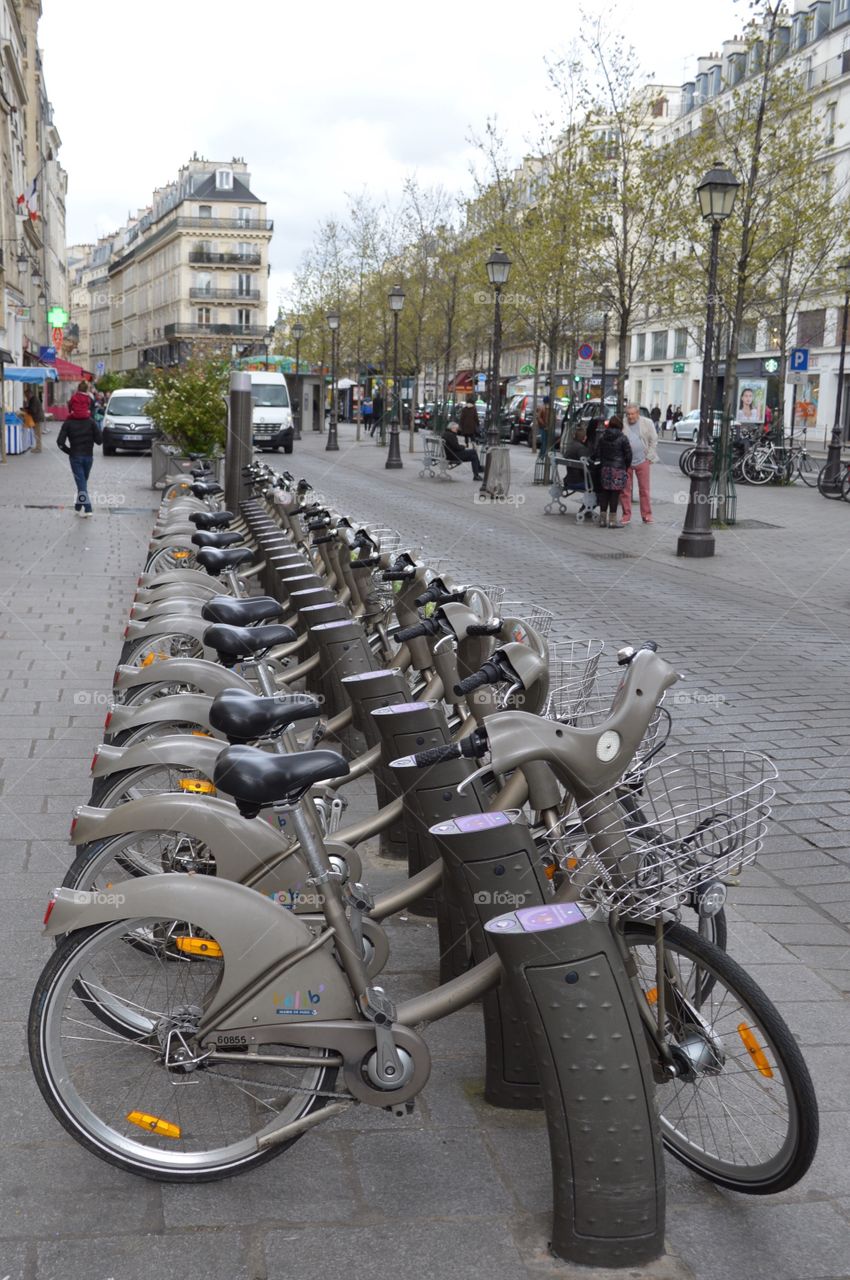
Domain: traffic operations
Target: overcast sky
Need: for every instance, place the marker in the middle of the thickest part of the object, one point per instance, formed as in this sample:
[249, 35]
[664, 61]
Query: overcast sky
[320, 98]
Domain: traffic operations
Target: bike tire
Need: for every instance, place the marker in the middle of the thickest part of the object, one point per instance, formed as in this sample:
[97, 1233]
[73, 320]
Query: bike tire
[690, 1141]
[754, 474]
[686, 460]
[826, 491]
[807, 471]
[78, 1095]
[845, 486]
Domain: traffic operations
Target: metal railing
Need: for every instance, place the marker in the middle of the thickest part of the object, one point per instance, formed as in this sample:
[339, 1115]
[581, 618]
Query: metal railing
[224, 224]
[237, 330]
[234, 259]
[242, 295]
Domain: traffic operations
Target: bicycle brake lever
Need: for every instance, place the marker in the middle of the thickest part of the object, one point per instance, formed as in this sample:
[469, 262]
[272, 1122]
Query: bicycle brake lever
[461, 787]
[445, 640]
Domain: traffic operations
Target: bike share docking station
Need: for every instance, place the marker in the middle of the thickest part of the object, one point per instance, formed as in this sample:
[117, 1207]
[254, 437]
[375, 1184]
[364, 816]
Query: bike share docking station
[566, 976]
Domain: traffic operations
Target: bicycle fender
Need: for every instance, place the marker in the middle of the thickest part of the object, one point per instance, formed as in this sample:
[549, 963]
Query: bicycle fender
[239, 845]
[183, 750]
[253, 933]
[193, 708]
[148, 579]
[208, 677]
[183, 624]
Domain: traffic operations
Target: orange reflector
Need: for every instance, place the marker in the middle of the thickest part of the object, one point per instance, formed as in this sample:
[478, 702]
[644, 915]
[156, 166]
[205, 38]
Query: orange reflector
[181, 555]
[197, 786]
[755, 1050]
[572, 863]
[153, 1124]
[651, 995]
[200, 733]
[199, 947]
[550, 870]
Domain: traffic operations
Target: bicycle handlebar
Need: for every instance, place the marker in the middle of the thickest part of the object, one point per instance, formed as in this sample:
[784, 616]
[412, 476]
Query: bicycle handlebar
[490, 673]
[429, 627]
[484, 629]
[472, 748]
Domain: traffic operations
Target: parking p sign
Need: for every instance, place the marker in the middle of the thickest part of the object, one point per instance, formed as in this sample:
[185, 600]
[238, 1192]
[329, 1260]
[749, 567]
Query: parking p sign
[799, 361]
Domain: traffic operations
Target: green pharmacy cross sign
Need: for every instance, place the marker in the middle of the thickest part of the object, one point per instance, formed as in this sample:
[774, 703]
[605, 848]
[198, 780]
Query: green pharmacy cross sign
[57, 317]
[678, 366]
[527, 369]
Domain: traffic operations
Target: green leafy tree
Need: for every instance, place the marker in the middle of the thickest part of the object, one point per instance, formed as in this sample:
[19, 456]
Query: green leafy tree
[189, 405]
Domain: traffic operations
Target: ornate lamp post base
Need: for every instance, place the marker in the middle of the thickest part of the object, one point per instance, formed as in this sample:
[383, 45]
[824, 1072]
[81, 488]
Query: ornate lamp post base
[394, 462]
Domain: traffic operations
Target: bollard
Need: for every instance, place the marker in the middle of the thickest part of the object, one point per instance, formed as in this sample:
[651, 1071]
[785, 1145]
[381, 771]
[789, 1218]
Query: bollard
[240, 441]
[566, 976]
[491, 864]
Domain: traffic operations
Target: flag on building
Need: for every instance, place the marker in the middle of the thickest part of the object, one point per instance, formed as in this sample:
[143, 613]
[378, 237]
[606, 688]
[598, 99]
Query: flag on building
[28, 201]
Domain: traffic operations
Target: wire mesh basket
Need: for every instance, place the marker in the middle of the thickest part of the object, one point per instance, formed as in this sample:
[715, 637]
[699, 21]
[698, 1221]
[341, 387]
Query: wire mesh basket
[573, 684]
[643, 847]
[495, 595]
[534, 615]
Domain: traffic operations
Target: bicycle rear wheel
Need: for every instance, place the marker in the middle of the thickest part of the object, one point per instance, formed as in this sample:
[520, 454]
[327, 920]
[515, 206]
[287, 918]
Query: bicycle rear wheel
[121, 1090]
[829, 488]
[807, 471]
[742, 1110]
[755, 472]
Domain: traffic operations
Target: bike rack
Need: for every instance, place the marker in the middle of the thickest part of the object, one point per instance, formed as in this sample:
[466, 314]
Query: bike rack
[490, 862]
[367, 692]
[566, 977]
[343, 649]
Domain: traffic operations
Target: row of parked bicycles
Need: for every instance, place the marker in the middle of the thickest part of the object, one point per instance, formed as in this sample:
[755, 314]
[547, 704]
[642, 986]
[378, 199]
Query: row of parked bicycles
[758, 459]
[215, 988]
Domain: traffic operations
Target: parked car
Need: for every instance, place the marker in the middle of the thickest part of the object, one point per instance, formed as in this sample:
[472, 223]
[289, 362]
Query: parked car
[518, 416]
[125, 423]
[588, 410]
[687, 428]
[422, 417]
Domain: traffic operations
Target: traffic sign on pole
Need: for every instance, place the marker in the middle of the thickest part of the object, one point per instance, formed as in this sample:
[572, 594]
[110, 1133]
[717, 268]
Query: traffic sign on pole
[585, 351]
[584, 366]
[799, 361]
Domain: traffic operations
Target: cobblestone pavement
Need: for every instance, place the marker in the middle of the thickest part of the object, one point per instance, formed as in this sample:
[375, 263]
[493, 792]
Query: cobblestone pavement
[760, 632]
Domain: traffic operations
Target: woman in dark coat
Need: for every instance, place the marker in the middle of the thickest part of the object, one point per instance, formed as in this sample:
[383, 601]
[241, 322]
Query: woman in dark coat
[468, 421]
[614, 455]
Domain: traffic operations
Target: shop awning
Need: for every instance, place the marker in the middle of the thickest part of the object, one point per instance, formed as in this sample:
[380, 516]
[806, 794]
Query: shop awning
[67, 372]
[28, 373]
[462, 381]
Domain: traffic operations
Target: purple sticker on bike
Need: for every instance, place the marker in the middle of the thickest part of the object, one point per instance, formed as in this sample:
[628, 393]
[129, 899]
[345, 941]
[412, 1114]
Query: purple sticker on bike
[482, 821]
[400, 707]
[554, 915]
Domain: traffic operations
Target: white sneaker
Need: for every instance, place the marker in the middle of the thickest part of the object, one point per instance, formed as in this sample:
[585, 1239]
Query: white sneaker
[85, 514]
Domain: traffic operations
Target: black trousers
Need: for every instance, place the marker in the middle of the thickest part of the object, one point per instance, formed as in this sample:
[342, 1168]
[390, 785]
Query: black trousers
[609, 500]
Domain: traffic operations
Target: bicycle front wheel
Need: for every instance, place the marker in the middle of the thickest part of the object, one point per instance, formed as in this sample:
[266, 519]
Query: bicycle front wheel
[741, 1110]
[827, 486]
[104, 1021]
[755, 472]
[807, 471]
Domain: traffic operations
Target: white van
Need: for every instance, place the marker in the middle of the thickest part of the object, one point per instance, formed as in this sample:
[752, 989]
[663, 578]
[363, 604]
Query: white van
[126, 424]
[272, 413]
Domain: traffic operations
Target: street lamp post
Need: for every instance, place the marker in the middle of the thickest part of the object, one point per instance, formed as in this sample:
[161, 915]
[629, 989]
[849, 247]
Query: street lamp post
[297, 331]
[394, 462]
[332, 445]
[716, 194]
[498, 270]
[832, 479]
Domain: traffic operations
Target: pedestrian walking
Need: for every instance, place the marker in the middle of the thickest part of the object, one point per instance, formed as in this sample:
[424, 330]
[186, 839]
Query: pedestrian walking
[614, 456]
[541, 422]
[455, 451]
[668, 418]
[35, 409]
[643, 439]
[79, 434]
[655, 415]
[377, 411]
[468, 420]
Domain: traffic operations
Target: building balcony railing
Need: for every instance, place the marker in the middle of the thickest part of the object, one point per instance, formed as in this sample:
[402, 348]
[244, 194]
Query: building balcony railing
[224, 224]
[202, 257]
[236, 295]
[214, 330]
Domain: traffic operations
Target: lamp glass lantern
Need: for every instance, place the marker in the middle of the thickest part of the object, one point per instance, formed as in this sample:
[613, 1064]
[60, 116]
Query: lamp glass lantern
[333, 320]
[297, 330]
[717, 193]
[498, 268]
[22, 261]
[396, 297]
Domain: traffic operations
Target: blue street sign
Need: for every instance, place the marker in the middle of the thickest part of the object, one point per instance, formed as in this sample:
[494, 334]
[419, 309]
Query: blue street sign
[100, 368]
[47, 353]
[799, 362]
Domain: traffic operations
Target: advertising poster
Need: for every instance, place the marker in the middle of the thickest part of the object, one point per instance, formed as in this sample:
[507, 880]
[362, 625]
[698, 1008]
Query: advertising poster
[751, 400]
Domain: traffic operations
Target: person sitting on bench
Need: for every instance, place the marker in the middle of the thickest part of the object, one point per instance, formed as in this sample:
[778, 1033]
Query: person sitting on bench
[455, 452]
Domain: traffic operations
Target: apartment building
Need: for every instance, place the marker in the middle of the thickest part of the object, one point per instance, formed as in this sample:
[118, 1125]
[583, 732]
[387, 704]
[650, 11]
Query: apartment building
[187, 275]
[32, 189]
[666, 354]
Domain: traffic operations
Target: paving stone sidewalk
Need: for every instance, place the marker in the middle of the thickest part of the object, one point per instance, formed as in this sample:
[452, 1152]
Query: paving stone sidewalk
[760, 633]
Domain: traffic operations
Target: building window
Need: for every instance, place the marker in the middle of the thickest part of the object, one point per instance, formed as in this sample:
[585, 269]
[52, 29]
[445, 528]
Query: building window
[774, 333]
[243, 317]
[204, 315]
[243, 285]
[244, 216]
[810, 327]
[829, 123]
[245, 249]
[659, 344]
[224, 179]
[680, 344]
[204, 246]
[747, 336]
[640, 346]
[204, 282]
[205, 210]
